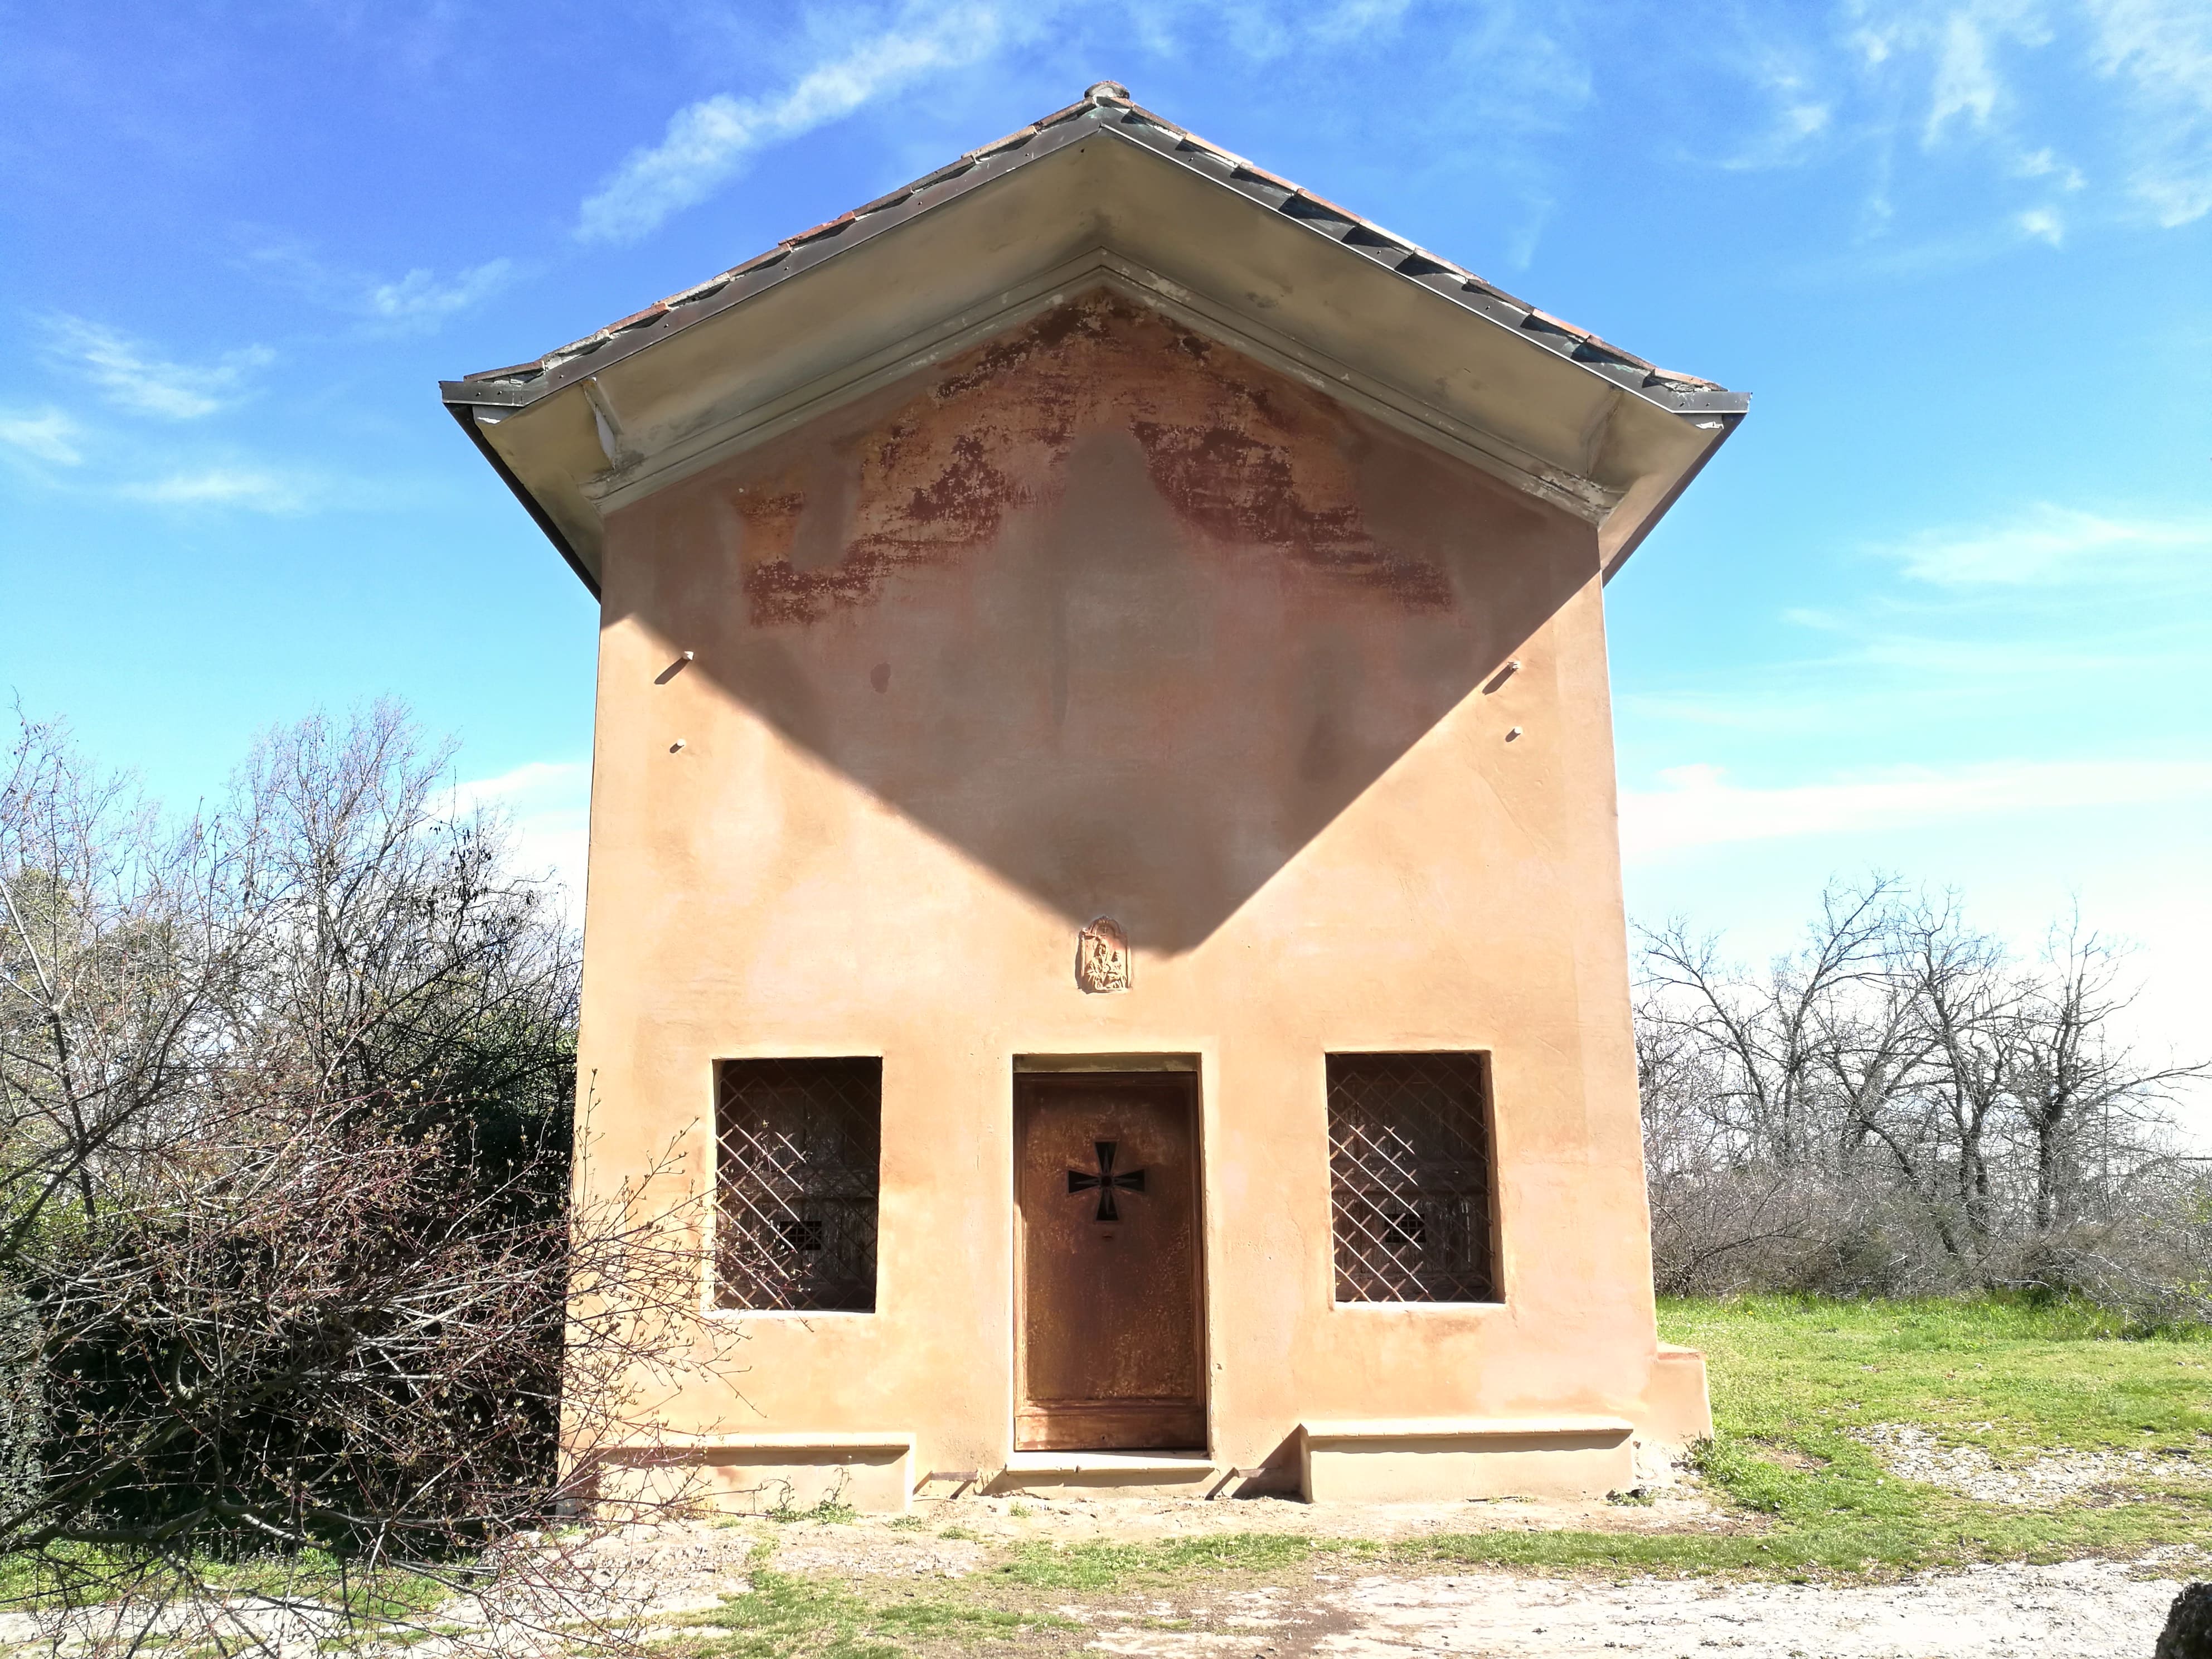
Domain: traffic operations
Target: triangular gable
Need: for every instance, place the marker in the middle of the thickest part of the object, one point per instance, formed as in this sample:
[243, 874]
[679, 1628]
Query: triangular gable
[1104, 192]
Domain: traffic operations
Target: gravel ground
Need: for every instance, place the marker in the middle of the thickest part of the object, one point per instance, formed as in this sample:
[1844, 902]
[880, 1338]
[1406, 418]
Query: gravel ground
[2039, 1482]
[2083, 1610]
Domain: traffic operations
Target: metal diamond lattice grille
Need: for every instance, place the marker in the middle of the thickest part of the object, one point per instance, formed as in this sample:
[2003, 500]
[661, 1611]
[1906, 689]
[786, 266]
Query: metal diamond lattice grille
[1409, 1177]
[795, 1223]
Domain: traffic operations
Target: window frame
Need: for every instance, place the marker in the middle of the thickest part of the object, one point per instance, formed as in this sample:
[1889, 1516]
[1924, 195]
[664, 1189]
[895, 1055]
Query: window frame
[715, 1290]
[1485, 1125]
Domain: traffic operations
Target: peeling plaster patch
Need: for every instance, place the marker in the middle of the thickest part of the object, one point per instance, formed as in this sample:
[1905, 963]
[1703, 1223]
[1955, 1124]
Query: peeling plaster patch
[1243, 458]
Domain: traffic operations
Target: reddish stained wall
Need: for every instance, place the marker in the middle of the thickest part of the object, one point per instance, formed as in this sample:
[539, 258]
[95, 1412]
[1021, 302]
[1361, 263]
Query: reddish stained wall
[1243, 456]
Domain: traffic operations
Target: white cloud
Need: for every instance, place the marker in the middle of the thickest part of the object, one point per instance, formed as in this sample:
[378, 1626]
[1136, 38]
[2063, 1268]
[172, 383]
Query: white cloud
[2017, 88]
[1966, 81]
[2161, 51]
[2044, 164]
[1698, 807]
[251, 489]
[48, 434]
[1356, 20]
[2048, 544]
[708, 142]
[132, 378]
[419, 300]
[2043, 224]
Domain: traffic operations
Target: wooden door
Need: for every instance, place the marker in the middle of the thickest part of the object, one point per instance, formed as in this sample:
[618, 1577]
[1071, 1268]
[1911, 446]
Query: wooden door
[1106, 1186]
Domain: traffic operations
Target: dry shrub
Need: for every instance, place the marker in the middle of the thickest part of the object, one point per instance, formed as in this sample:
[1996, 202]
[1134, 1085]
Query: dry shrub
[297, 1311]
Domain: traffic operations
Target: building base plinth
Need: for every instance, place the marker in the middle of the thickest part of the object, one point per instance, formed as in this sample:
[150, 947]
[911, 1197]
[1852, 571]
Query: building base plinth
[1677, 1409]
[1412, 1459]
[760, 1473]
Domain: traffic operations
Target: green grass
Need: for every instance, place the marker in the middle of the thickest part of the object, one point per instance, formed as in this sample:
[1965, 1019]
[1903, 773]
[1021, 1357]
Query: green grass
[831, 1510]
[93, 1575]
[1103, 1566]
[784, 1615]
[1792, 1375]
[2008, 1375]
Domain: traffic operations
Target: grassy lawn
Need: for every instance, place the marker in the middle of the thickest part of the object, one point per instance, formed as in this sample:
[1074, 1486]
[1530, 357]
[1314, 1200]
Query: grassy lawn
[1791, 1377]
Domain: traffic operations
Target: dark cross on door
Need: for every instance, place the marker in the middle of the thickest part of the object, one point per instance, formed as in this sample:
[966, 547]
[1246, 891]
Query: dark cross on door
[1130, 1181]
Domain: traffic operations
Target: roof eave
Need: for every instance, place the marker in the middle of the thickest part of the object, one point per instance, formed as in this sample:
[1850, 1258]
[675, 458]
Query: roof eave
[522, 385]
[1640, 394]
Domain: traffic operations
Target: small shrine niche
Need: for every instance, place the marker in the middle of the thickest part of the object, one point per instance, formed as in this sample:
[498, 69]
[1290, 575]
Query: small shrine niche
[1102, 956]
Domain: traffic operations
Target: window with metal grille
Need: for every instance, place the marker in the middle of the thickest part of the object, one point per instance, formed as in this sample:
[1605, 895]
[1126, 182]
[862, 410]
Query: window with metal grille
[1409, 1177]
[795, 1184]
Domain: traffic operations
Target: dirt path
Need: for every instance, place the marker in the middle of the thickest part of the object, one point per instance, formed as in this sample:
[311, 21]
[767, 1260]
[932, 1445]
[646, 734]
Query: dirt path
[2083, 1610]
[1323, 1604]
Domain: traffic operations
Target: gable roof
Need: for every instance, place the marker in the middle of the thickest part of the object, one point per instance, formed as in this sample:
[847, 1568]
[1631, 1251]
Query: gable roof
[484, 400]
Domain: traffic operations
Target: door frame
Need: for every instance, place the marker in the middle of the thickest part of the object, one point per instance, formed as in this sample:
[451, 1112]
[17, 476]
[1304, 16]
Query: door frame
[1040, 1073]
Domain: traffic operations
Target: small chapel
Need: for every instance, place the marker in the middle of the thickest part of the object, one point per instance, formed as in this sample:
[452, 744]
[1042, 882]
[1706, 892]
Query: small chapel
[1104, 854]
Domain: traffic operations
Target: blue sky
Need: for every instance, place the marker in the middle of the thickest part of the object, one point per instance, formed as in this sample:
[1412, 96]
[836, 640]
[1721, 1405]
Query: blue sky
[1942, 607]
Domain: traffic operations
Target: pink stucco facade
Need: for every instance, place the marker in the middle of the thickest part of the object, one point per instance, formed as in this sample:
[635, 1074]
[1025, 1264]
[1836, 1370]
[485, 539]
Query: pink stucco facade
[1101, 618]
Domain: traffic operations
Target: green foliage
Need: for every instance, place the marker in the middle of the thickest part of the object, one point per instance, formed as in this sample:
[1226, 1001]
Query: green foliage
[831, 1510]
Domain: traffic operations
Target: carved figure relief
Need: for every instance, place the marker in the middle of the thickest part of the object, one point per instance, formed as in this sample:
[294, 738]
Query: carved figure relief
[1102, 956]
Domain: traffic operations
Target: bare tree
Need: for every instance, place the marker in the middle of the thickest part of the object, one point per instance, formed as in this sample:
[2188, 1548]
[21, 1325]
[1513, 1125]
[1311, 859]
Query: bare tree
[1902, 1104]
[1767, 1036]
[289, 1264]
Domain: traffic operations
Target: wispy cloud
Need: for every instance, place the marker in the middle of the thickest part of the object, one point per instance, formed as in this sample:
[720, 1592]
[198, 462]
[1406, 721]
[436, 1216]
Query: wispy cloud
[1966, 81]
[2046, 164]
[421, 300]
[130, 375]
[47, 435]
[1801, 114]
[246, 489]
[2047, 544]
[1698, 806]
[1495, 81]
[416, 303]
[2161, 51]
[2103, 105]
[708, 142]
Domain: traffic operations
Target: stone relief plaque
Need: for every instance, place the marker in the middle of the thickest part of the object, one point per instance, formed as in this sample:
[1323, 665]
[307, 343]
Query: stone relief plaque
[1102, 956]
